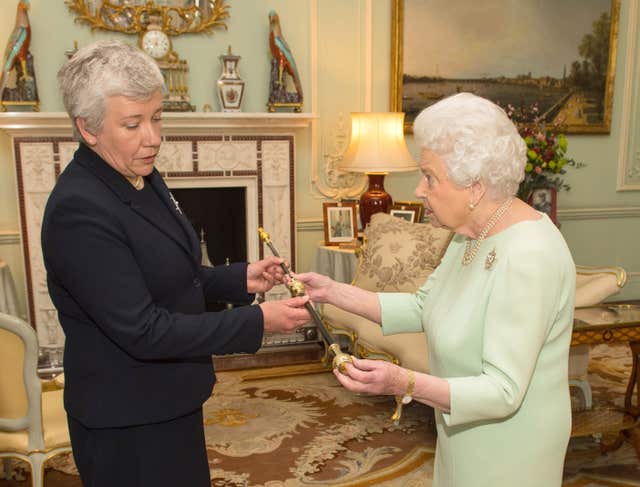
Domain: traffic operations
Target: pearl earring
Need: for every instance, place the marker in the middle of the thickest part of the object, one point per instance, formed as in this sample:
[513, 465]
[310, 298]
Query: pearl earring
[471, 206]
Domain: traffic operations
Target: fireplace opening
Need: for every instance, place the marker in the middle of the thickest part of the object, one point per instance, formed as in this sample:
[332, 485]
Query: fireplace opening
[218, 216]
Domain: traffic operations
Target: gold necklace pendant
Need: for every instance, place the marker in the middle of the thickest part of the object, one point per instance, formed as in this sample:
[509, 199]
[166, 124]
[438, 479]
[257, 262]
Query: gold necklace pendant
[471, 251]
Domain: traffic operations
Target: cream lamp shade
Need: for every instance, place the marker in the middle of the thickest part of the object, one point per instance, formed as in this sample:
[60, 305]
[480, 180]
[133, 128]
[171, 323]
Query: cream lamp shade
[376, 147]
[377, 144]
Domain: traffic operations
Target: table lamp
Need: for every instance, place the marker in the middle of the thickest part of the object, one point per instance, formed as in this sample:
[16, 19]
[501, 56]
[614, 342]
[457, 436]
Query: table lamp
[376, 147]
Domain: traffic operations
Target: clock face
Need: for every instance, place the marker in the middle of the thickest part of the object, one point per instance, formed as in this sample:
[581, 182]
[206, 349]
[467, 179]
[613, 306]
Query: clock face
[156, 44]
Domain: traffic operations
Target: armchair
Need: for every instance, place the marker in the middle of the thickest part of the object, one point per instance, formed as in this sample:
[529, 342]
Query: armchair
[33, 424]
[397, 256]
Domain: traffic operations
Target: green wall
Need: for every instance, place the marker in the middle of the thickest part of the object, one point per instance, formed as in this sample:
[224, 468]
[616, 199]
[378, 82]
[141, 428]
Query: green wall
[343, 69]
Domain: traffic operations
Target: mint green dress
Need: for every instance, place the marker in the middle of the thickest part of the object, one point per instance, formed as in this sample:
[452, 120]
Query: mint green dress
[500, 336]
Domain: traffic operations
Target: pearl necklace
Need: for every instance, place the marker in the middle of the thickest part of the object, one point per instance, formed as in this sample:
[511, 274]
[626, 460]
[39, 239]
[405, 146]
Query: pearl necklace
[471, 251]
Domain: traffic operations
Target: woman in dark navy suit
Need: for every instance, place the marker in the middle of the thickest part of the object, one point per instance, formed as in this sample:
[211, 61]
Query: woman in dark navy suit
[123, 270]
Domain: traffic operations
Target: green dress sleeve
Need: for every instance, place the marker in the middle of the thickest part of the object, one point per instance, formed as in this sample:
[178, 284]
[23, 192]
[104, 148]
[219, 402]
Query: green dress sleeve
[402, 312]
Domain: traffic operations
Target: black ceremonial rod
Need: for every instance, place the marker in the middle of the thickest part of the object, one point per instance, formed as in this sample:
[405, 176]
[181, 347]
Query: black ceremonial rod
[296, 288]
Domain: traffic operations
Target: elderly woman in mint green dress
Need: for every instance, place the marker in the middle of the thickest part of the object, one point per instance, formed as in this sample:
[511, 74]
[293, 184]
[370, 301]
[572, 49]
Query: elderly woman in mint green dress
[497, 312]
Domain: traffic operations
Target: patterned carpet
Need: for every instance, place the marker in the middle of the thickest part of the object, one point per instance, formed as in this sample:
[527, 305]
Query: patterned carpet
[306, 430]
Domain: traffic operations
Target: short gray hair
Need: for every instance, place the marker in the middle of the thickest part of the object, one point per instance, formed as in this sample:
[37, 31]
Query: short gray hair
[101, 70]
[477, 141]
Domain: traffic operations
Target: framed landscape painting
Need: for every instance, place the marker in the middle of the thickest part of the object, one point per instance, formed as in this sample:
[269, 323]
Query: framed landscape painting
[545, 61]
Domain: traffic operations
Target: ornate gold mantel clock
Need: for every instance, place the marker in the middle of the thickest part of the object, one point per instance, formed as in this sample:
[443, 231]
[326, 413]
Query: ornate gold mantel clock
[154, 24]
[156, 43]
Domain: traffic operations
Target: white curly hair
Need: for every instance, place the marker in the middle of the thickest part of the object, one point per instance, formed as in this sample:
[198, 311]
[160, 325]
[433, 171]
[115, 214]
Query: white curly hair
[477, 141]
[101, 70]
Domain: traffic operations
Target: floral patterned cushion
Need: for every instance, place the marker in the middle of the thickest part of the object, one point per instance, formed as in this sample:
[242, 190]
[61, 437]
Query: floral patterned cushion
[398, 256]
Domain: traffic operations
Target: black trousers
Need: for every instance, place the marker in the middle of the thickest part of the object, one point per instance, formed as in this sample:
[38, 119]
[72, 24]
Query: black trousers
[168, 454]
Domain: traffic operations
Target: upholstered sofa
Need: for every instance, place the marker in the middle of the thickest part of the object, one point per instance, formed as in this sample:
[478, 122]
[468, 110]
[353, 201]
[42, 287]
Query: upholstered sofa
[398, 256]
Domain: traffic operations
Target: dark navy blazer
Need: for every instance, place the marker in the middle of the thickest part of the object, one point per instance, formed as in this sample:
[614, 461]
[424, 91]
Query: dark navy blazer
[130, 294]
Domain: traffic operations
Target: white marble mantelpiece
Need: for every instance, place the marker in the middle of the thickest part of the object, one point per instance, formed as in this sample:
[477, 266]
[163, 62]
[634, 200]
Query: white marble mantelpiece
[19, 124]
[199, 150]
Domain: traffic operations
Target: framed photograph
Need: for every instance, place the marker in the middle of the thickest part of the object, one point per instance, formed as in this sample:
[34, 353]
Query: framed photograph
[542, 59]
[544, 200]
[408, 210]
[340, 223]
[358, 221]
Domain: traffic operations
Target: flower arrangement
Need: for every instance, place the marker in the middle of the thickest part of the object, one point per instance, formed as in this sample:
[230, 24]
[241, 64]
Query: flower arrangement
[547, 158]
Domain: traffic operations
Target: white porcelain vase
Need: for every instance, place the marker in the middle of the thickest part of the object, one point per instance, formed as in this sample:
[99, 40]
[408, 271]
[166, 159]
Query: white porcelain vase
[230, 86]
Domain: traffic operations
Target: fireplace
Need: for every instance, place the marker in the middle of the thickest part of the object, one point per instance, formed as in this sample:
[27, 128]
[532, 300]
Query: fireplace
[246, 160]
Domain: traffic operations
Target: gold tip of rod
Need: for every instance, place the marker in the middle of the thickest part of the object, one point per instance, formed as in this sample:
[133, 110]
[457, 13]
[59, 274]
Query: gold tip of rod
[264, 236]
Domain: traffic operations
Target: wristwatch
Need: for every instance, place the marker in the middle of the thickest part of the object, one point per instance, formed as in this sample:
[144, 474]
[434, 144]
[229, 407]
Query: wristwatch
[406, 398]
[411, 385]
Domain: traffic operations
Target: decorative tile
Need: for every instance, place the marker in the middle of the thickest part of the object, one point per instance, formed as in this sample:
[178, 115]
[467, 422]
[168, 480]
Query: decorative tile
[37, 166]
[275, 163]
[175, 157]
[49, 331]
[228, 155]
[65, 152]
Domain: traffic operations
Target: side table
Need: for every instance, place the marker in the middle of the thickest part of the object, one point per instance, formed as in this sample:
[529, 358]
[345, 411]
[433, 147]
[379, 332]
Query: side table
[340, 264]
[610, 324]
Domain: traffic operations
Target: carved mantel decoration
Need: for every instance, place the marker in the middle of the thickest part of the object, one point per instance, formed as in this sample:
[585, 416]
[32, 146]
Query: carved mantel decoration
[330, 181]
[254, 151]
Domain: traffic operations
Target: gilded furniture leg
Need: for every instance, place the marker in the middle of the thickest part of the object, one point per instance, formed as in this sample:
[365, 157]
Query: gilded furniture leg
[634, 381]
[630, 408]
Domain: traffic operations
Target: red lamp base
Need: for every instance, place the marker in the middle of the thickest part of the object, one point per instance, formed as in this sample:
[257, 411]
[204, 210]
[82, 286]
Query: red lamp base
[375, 199]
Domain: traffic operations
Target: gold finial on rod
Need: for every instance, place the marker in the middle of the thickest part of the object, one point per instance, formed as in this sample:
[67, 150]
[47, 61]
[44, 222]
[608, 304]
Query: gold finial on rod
[264, 236]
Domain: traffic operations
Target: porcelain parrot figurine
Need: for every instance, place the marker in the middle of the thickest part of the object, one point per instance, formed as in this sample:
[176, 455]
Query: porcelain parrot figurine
[281, 52]
[18, 45]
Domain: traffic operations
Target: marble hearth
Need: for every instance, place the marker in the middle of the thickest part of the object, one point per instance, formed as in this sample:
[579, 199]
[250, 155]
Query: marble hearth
[201, 150]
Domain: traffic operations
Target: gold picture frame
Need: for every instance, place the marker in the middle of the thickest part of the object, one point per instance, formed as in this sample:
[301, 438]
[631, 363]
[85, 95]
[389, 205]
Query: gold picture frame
[556, 93]
[408, 210]
[340, 223]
